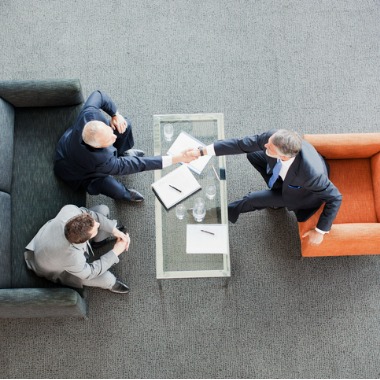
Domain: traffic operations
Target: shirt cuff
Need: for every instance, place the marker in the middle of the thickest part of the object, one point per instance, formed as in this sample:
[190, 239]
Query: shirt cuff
[321, 232]
[166, 161]
[210, 150]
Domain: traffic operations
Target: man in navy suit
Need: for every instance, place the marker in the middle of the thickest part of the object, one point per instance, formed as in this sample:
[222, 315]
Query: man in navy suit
[294, 171]
[97, 147]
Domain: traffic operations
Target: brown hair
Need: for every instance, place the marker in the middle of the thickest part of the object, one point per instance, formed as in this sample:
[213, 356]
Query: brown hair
[77, 229]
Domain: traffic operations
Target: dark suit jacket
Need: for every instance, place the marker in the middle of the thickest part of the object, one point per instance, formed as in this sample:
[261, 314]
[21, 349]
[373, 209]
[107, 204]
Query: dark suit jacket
[306, 185]
[77, 162]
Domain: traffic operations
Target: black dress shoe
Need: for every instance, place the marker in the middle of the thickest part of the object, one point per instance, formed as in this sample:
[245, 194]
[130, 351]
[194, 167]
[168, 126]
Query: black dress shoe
[135, 196]
[134, 152]
[119, 287]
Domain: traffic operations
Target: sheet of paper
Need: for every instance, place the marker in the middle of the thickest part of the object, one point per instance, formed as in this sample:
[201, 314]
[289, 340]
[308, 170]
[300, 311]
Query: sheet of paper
[207, 238]
[176, 186]
[185, 141]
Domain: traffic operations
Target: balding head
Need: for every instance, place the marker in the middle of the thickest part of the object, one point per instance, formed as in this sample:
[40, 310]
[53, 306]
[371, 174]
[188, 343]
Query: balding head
[98, 135]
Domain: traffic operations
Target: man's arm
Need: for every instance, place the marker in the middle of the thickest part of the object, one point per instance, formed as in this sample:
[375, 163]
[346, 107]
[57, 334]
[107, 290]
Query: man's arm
[246, 144]
[100, 100]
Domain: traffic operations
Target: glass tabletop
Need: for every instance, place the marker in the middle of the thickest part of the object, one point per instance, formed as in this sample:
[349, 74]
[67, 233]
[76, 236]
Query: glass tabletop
[172, 261]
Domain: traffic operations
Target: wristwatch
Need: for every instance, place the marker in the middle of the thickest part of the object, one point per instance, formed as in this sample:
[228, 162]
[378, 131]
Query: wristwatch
[200, 148]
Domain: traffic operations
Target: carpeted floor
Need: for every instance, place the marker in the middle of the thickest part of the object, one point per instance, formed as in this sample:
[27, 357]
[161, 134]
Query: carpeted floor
[307, 65]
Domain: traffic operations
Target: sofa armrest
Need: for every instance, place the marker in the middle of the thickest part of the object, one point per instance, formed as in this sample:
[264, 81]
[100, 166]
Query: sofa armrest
[42, 93]
[41, 303]
[345, 145]
[345, 240]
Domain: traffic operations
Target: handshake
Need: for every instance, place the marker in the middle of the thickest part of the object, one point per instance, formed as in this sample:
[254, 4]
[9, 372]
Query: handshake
[188, 155]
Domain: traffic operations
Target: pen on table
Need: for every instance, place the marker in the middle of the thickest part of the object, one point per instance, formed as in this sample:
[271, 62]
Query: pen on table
[216, 174]
[173, 187]
[208, 232]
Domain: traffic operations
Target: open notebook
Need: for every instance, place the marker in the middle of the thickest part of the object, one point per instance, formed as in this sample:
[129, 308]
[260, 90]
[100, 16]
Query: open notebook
[185, 141]
[175, 186]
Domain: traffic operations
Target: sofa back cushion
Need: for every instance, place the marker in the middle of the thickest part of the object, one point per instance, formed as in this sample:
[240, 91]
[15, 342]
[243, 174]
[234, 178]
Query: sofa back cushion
[6, 145]
[5, 239]
[37, 194]
[42, 93]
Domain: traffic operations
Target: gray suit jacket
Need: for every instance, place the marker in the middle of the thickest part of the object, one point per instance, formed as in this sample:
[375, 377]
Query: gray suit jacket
[52, 256]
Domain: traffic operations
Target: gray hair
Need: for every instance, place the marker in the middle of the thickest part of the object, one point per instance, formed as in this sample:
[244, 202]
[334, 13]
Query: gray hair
[90, 133]
[289, 143]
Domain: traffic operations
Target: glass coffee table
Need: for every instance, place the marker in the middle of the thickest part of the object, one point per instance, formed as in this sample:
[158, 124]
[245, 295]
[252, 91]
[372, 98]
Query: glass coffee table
[172, 261]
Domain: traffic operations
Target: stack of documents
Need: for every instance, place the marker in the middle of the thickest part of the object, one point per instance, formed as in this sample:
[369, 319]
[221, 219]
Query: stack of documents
[175, 186]
[207, 238]
[185, 141]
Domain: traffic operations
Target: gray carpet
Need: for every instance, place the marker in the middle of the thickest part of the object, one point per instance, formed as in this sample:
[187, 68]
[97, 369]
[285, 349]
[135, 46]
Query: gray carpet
[307, 65]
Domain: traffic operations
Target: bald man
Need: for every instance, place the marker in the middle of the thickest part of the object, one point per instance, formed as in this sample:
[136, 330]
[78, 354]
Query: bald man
[98, 147]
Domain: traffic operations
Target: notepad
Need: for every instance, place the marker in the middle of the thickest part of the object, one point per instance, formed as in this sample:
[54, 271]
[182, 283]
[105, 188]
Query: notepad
[207, 238]
[185, 141]
[175, 186]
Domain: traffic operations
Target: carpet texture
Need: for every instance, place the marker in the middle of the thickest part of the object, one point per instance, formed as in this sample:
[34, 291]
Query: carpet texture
[303, 65]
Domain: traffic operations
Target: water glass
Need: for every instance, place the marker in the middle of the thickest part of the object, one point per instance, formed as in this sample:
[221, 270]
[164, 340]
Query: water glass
[199, 210]
[211, 191]
[180, 211]
[168, 132]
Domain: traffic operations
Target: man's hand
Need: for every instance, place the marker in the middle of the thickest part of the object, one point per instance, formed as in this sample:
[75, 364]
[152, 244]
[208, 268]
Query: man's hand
[121, 235]
[315, 238]
[121, 246]
[185, 156]
[119, 123]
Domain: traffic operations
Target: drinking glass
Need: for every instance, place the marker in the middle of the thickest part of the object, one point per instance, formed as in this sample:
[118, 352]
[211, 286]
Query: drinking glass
[168, 132]
[180, 211]
[211, 191]
[199, 210]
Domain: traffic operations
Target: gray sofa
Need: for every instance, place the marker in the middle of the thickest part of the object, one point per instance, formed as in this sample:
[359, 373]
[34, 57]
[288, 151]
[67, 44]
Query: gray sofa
[33, 116]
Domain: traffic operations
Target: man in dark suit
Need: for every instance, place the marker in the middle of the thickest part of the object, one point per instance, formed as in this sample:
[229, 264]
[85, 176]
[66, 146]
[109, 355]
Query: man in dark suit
[295, 173]
[97, 147]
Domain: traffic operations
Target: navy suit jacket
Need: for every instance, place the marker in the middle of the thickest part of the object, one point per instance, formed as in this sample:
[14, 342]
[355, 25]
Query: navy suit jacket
[306, 185]
[77, 162]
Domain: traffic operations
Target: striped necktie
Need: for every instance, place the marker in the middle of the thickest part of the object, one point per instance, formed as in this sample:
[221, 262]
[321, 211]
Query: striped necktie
[276, 173]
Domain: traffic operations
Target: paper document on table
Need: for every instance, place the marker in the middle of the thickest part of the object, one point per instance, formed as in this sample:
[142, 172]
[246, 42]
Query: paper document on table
[175, 186]
[207, 238]
[185, 141]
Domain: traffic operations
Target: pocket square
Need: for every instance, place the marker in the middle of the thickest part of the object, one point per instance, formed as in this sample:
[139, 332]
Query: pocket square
[295, 187]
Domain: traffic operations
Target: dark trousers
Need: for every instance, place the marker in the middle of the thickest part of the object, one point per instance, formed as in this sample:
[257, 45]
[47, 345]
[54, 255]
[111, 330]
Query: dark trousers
[108, 185]
[259, 199]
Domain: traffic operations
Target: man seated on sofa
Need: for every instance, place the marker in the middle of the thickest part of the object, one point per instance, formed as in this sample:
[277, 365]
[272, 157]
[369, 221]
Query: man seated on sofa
[61, 251]
[96, 148]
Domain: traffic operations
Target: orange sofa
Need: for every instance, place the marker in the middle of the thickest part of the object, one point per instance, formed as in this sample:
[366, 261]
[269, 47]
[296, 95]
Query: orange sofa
[354, 161]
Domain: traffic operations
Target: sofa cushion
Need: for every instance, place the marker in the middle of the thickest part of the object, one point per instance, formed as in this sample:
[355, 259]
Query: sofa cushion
[354, 180]
[6, 145]
[375, 166]
[37, 195]
[5, 239]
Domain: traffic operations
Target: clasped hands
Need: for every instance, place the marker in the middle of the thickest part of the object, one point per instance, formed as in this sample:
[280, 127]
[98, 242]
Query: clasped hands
[122, 241]
[118, 122]
[187, 155]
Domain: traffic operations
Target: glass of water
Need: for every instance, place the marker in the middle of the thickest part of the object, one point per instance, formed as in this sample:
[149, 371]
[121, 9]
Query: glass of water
[199, 210]
[180, 211]
[210, 191]
[168, 132]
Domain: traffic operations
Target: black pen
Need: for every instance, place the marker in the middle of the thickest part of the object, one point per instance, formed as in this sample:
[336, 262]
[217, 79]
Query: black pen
[208, 232]
[173, 187]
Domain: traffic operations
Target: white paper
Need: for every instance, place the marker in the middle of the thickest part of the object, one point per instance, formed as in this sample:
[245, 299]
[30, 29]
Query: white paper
[185, 141]
[180, 178]
[198, 241]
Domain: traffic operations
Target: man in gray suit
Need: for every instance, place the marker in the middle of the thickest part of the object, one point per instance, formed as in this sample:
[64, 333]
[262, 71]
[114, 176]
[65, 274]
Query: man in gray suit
[61, 250]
